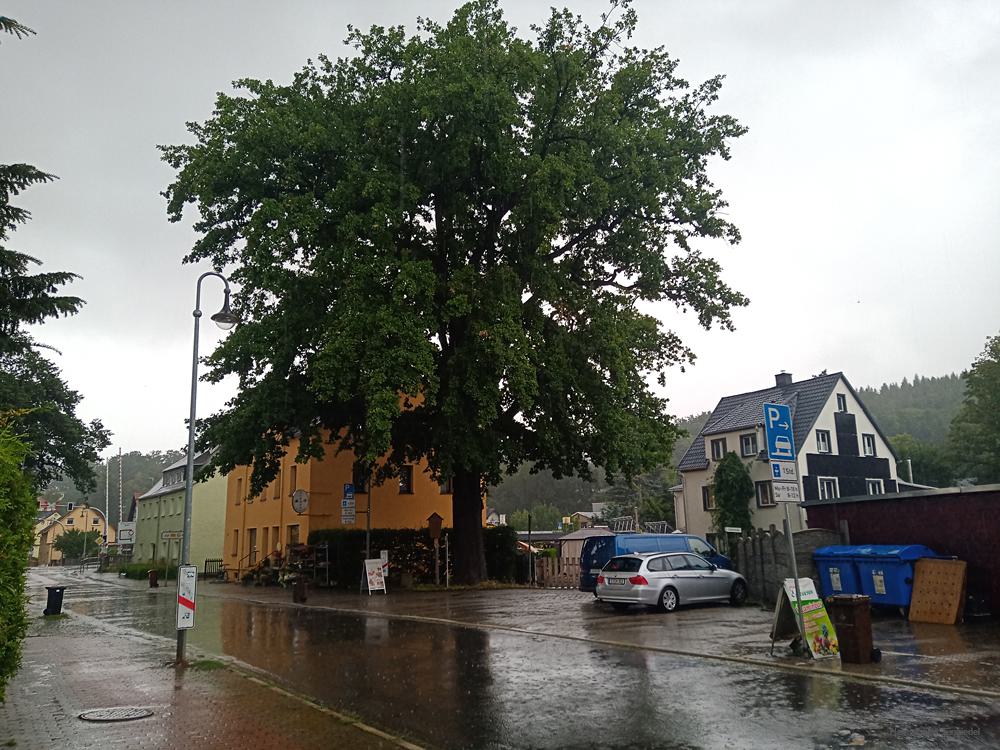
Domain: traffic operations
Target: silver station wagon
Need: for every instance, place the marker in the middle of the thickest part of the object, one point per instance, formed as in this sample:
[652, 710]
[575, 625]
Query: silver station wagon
[667, 580]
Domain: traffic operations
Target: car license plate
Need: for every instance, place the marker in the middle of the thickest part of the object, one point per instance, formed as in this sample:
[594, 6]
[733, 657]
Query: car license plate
[617, 581]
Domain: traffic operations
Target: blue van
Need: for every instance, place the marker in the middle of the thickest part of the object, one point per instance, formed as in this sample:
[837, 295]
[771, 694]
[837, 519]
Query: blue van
[597, 550]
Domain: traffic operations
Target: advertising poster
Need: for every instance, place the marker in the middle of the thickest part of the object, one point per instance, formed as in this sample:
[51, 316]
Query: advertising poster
[820, 635]
[376, 578]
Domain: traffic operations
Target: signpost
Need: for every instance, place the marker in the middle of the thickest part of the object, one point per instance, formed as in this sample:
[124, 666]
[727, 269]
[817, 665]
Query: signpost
[126, 533]
[785, 480]
[187, 583]
[300, 501]
[166, 535]
[348, 510]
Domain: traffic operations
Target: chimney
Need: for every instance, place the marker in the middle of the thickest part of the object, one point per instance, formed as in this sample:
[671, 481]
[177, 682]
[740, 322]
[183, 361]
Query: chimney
[783, 378]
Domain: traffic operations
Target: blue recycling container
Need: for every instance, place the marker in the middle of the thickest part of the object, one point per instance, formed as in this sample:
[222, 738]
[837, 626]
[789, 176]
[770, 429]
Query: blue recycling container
[838, 573]
[885, 571]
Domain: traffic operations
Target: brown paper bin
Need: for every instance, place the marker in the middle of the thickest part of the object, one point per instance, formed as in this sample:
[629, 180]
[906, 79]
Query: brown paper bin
[852, 619]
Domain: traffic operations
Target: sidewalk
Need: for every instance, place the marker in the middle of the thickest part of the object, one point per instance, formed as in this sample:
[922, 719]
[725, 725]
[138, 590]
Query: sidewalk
[71, 665]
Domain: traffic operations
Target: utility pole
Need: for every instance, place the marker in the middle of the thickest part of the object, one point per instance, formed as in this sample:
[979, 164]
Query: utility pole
[119, 485]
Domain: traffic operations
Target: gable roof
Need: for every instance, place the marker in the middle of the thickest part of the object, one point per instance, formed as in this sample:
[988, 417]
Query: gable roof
[746, 410]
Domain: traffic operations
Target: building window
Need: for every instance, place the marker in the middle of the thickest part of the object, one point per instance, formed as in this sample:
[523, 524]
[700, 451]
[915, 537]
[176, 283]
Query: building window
[293, 535]
[841, 402]
[70, 521]
[69, 507]
[276, 493]
[293, 480]
[869, 444]
[95, 522]
[264, 532]
[828, 489]
[718, 449]
[239, 490]
[823, 441]
[765, 494]
[874, 487]
[406, 480]
[359, 478]
[275, 538]
[236, 542]
[708, 498]
[447, 487]
[748, 444]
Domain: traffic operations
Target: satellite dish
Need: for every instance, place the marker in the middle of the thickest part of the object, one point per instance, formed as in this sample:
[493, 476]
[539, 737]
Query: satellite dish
[300, 501]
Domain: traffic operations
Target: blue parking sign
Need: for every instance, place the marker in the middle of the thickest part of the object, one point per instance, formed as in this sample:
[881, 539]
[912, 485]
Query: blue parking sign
[778, 431]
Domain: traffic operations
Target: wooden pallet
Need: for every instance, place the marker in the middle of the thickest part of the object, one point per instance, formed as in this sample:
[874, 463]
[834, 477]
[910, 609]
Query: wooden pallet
[938, 591]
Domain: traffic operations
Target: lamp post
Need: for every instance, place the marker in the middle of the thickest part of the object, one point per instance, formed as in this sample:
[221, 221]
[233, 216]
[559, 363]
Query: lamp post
[225, 319]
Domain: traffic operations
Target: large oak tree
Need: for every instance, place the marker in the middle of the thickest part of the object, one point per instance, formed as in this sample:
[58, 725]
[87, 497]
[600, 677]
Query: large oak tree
[444, 245]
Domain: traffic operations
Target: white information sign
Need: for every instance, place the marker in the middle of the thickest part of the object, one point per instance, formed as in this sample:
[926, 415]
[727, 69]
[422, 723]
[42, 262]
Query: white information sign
[376, 578]
[187, 584]
[126, 532]
[784, 471]
[786, 492]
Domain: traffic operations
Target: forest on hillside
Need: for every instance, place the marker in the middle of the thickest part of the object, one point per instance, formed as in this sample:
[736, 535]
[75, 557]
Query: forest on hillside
[922, 407]
[138, 472]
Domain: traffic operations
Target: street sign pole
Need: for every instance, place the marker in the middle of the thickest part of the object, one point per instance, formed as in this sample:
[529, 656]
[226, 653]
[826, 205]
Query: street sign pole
[781, 451]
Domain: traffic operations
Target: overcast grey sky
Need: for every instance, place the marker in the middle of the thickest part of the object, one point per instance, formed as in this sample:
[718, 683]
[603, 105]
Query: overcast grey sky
[866, 190]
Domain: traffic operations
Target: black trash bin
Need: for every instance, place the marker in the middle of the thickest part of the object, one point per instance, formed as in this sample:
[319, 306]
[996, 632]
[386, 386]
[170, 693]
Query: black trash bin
[53, 606]
[299, 589]
[154, 578]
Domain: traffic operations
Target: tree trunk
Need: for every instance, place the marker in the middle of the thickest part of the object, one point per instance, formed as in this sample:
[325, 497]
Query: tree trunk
[467, 510]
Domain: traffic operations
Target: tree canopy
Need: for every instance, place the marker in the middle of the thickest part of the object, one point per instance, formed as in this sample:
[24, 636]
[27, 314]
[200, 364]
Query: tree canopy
[975, 432]
[38, 402]
[74, 544]
[733, 488]
[446, 247]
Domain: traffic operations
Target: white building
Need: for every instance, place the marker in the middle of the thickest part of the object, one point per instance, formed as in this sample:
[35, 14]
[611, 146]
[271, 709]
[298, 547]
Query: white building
[840, 450]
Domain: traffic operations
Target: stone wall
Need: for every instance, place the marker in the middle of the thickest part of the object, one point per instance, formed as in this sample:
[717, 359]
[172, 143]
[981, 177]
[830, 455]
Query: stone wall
[762, 558]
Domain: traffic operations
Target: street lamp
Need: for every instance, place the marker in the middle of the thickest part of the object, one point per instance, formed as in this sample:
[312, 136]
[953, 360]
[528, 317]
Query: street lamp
[225, 319]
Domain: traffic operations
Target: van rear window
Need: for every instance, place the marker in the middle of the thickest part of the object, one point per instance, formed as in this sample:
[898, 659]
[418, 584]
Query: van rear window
[623, 565]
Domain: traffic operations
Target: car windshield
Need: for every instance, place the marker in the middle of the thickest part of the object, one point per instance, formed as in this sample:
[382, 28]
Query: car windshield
[623, 565]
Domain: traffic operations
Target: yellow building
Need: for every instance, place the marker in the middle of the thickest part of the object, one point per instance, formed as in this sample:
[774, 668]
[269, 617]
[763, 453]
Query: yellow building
[77, 518]
[263, 525]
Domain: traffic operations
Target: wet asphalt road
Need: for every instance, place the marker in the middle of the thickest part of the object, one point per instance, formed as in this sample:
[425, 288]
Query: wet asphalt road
[449, 686]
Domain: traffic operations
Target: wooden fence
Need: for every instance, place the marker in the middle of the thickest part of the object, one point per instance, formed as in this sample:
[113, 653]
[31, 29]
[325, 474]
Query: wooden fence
[557, 572]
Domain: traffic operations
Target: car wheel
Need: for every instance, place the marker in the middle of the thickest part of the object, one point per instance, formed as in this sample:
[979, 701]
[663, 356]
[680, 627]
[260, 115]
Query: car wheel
[619, 606]
[738, 595]
[668, 599]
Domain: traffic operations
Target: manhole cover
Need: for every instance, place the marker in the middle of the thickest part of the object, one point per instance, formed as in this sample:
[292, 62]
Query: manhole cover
[116, 714]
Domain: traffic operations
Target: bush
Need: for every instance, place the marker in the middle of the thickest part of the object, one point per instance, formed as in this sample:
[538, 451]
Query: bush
[17, 509]
[410, 551]
[140, 571]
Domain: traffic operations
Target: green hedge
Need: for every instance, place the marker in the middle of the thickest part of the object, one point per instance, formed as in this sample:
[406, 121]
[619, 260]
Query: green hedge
[140, 571]
[410, 551]
[17, 511]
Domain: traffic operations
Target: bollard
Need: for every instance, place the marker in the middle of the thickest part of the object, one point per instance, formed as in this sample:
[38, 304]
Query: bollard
[53, 606]
[299, 590]
[154, 579]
